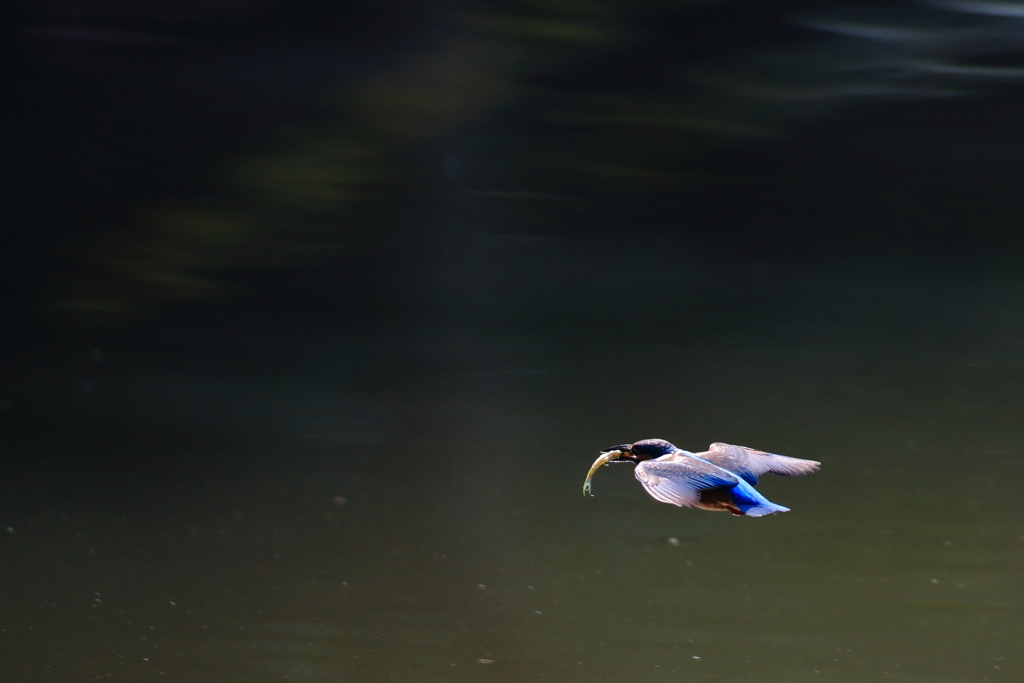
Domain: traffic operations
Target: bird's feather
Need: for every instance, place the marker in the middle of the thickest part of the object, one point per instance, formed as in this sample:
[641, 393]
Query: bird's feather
[678, 479]
[750, 464]
[750, 501]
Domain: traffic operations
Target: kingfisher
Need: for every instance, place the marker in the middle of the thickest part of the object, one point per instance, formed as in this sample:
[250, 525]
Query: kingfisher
[721, 478]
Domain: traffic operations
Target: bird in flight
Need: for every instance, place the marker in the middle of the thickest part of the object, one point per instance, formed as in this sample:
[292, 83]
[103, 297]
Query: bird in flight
[721, 478]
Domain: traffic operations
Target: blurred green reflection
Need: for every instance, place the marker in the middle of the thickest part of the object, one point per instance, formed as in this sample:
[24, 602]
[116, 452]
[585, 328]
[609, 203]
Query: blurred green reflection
[493, 78]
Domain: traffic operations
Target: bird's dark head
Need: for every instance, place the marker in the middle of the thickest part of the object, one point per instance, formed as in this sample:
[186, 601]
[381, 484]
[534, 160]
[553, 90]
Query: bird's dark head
[648, 449]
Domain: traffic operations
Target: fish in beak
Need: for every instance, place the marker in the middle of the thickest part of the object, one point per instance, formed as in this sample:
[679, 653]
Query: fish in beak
[615, 454]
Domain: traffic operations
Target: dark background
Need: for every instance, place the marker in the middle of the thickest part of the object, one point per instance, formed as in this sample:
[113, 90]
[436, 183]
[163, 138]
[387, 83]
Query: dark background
[303, 297]
[684, 123]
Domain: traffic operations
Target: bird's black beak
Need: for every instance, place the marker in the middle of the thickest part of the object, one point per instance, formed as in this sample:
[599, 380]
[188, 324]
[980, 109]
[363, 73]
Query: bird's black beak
[624, 449]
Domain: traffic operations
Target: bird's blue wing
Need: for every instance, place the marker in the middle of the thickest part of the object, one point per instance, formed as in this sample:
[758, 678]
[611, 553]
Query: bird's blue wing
[678, 479]
[751, 464]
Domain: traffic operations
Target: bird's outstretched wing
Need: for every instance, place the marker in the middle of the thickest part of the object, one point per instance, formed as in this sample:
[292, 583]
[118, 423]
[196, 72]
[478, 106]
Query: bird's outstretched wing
[679, 479]
[751, 464]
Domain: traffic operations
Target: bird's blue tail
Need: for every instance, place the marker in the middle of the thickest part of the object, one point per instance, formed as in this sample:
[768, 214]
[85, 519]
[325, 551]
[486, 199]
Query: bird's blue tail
[752, 503]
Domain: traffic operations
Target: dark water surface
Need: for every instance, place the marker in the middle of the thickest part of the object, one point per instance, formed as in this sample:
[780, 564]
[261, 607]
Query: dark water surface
[404, 504]
[334, 304]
